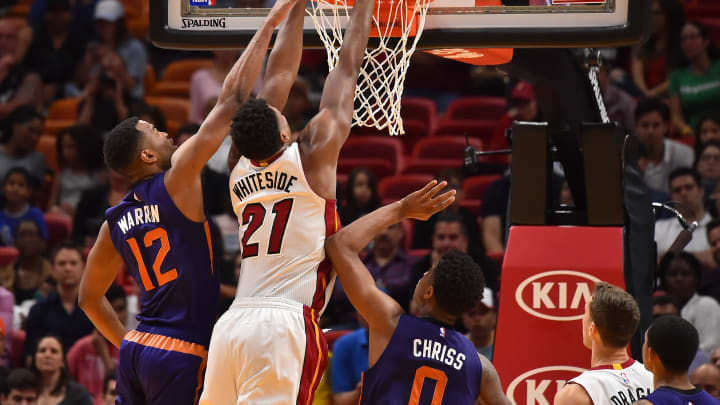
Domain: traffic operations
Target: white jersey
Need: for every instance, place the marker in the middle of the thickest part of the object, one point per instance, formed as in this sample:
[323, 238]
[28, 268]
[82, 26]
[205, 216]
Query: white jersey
[283, 226]
[617, 384]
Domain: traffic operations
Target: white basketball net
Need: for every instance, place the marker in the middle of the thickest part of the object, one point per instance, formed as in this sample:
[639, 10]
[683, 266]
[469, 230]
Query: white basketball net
[380, 85]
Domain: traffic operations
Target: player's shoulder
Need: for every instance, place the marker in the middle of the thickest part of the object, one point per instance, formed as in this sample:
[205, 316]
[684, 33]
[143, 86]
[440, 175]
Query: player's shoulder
[572, 394]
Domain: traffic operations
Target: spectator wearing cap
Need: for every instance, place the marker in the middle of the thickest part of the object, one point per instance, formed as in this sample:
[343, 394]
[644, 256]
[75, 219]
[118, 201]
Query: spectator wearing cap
[31, 268]
[18, 142]
[120, 58]
[523, 107]
[18, 85]
[56, 48]
[480, 323]
[652, 125]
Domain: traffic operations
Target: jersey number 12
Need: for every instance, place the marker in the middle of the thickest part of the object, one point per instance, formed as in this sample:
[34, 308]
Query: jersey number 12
[254, 216]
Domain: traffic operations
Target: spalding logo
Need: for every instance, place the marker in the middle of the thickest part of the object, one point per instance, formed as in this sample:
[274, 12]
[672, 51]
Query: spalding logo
[540, 385]
[557, 295]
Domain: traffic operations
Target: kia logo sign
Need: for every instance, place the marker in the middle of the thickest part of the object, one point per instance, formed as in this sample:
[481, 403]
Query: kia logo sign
[540, 385]
[557, 295]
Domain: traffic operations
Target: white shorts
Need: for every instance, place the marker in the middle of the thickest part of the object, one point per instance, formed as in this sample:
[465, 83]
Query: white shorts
[267, 351]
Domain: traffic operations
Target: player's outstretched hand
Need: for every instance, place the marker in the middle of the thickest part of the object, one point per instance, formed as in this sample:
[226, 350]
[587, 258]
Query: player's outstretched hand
[280, 10]
[424, 203]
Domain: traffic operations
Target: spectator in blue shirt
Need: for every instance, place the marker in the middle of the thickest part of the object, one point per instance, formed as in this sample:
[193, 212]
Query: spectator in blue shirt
[18, 187]
[349, 361]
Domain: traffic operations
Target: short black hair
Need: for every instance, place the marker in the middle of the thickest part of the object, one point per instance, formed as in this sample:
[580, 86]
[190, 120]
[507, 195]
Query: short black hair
[109, 376]
[67, 245]
[88, 143]
[669, 257]
[21, 379]
[23, 172]
[458, 282]
[675, 341]
[685, 171]
[451, 217]
[114, 292]
[20, 115]
[713, 116]
[651, 105]
[121, 145]
[255, 131]
[666, 299]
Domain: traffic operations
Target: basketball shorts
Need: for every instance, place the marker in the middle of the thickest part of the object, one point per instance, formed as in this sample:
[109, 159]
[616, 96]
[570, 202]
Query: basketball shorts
[265, 351]
[156, 369]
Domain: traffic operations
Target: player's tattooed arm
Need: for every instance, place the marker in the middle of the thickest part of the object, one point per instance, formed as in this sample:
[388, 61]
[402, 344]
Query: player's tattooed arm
[102, 267]
[381, 311]
[491, 392]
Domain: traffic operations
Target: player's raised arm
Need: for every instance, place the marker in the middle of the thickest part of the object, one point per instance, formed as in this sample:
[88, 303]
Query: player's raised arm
[102, 267]
[381, 311]
[192, 156]
[284, 61]
[334, 120]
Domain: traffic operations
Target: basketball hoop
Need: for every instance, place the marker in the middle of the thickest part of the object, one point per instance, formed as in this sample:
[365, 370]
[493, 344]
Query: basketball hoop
[397, 24]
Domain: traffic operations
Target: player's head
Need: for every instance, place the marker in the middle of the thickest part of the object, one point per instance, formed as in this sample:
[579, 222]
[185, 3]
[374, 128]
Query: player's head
[611, 317]
[135, 148]
[670, 345]
[455, 285]
[259, 130]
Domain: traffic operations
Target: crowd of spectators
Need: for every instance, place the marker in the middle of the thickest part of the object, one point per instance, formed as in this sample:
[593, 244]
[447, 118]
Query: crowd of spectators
[82, 53]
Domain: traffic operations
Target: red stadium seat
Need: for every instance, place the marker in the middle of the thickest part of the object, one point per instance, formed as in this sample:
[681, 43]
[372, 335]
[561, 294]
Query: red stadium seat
[59, 228]
[377, 147]
[420, 109]
[431, 166]
[380, 167]
[64, 109]
[47, 146]
[396, 187]
[713, 25]
[182, 70]
[473, 205]
[474, 187]
[446, 147]
[482, 129]
[477, 108]
[418, 252]
[415, 130]
[175, 109]
[332, 336]
[408, 230]
[342, 179]
[18, 348]
[7, 255]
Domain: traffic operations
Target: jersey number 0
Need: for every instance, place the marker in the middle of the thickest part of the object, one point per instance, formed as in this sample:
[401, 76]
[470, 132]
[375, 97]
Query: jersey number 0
[254, 216]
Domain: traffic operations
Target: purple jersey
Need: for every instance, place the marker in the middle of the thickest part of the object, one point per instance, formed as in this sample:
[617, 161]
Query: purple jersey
[673, 396]
[171, 259]
[425, 362]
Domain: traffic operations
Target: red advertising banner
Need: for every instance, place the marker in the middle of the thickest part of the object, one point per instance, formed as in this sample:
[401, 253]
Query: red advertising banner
[547, 277]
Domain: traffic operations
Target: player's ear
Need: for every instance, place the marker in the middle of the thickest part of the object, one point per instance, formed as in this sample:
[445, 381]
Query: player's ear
[285, 136]
[429, 293]
[148, 156]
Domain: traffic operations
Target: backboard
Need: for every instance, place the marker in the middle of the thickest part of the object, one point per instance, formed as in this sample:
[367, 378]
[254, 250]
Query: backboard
[222, 24]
